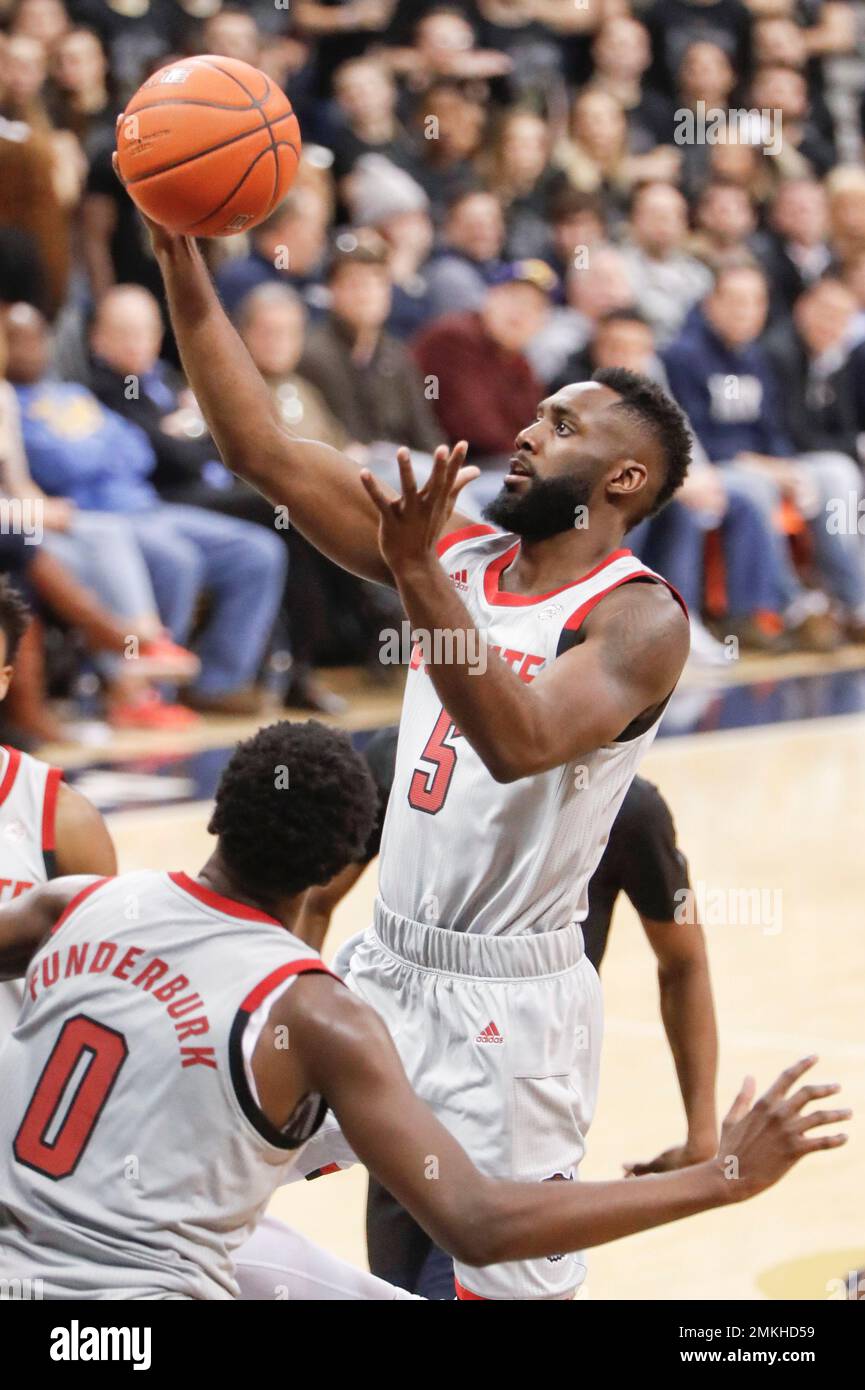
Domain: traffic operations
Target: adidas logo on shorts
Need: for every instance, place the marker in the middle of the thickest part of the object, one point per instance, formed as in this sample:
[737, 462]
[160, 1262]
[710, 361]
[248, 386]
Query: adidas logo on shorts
[490, 1034]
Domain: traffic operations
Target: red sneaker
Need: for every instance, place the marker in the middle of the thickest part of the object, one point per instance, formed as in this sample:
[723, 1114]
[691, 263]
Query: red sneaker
[164, 660]
[150, 712]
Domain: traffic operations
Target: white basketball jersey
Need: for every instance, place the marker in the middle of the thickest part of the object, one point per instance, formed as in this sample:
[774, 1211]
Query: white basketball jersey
[28, 798]
[134, 1157]
[462, 851]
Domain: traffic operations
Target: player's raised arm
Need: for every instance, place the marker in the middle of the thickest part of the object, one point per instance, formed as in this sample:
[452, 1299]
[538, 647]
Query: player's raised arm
[348, 1056]
[320, 487]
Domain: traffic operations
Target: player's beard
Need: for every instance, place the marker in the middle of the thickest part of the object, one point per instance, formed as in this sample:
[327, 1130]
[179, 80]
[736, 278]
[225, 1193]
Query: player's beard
[545, 509]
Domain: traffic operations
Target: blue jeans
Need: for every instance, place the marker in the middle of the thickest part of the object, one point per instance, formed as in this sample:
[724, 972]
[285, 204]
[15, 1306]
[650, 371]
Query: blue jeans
[838, 558]
[243, 568]
[102, 552]
[674, 542]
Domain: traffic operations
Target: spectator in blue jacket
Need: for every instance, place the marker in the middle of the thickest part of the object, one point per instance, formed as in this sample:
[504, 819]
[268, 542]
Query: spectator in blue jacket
[288, 248]
[724, 380]
[79, 450]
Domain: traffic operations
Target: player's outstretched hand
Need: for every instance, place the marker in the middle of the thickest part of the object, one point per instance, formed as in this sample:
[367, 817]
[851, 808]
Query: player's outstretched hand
[762, 1139]
[412, 522]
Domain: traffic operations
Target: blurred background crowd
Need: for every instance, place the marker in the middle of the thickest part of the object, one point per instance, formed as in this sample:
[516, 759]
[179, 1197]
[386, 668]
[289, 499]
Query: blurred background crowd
[496, 197]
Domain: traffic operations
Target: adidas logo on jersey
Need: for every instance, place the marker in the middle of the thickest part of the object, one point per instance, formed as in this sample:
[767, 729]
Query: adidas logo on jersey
[460, 579]
[490, 1034]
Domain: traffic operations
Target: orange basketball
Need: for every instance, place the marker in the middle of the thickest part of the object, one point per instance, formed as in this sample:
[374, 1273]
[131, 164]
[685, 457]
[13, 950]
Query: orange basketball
[208, 146]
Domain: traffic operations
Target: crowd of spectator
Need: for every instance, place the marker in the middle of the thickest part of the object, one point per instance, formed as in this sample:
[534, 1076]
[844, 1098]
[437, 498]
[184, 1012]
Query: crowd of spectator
[496, 197]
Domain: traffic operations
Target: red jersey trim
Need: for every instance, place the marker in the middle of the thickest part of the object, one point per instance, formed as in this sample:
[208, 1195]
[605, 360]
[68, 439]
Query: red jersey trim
[579, 614]
[11, 772]
[498, 598]
[218, 902]
[465, 1295]
[466, 533]
[76, 902]
[49, 807]
[310, 965]
[323, 1172]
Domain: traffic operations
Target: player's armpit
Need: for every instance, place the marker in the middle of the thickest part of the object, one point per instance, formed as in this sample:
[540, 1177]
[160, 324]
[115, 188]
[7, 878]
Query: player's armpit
[26, 921]
[82, 842]
[636, 644]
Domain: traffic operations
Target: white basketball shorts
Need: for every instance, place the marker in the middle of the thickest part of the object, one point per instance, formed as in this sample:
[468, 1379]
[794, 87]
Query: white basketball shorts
[501, 1036]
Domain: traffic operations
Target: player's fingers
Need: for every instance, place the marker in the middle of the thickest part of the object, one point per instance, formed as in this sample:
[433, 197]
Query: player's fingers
[807, 1093]
[822, 1141]
[465, 475]
[406, 473]
[456, 459]
[817, 1118]
[376, 491]
[781, 1085]
[435, 483]
[741, 1105]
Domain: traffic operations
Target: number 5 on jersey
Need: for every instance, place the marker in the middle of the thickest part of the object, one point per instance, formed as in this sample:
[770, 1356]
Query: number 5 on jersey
[428, 790]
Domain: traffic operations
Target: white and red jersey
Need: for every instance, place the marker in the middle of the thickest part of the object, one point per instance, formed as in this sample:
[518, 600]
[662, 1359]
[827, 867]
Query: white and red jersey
[462, 851]
[28, 801]
[134, 1157]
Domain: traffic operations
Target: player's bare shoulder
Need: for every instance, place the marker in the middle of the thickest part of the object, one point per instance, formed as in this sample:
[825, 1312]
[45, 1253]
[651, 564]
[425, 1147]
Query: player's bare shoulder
[644, 634]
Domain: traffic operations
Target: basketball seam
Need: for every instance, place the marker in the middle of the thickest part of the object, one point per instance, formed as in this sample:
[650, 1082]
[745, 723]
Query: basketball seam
[212, 149]
[190, 101]
[214, 67]
[259, 102]
[227, 199]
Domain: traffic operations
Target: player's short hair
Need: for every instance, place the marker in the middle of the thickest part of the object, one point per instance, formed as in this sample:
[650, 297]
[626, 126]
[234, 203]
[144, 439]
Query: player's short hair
[14, 618]
[656, 412]
[294, 805]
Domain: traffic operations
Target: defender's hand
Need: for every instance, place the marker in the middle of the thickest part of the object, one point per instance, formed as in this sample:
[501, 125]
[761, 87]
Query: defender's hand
[761, 1142]
[679, 1156]
[410, 524]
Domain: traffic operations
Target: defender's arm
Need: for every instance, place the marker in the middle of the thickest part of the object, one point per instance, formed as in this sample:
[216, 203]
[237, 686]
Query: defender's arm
[26, 921]
[342, 1049]
[83, 844]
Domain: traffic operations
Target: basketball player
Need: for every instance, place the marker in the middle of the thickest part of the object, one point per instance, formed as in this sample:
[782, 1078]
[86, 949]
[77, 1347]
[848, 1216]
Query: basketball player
[642, 859]
[152, 1104]
[46, 828]
[549, 653]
